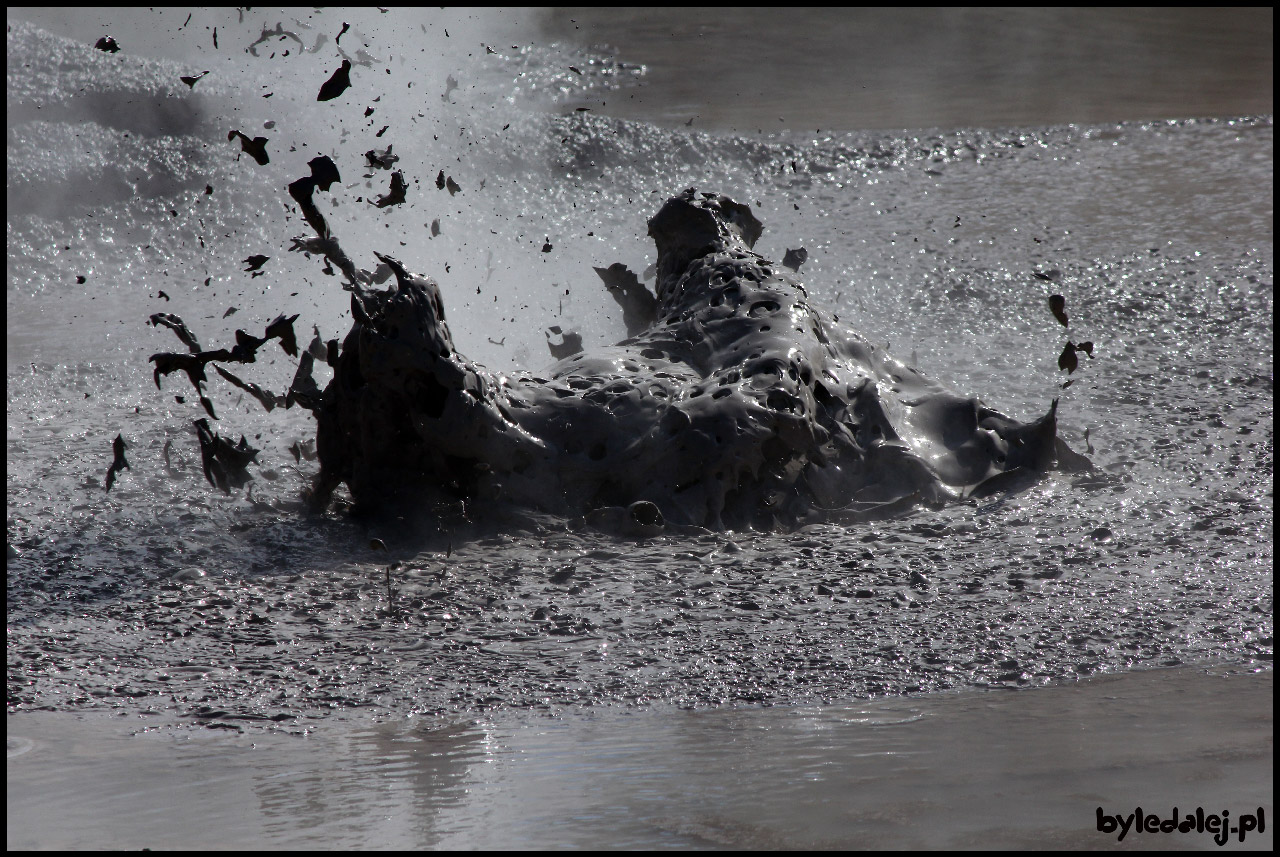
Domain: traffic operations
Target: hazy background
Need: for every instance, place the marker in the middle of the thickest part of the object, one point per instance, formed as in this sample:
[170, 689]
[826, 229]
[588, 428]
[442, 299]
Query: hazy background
[846, 69]
[766, 69]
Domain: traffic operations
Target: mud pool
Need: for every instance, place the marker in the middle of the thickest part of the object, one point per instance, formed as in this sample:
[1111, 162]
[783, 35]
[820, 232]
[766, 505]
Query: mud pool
[1002, 770]
[243, 613]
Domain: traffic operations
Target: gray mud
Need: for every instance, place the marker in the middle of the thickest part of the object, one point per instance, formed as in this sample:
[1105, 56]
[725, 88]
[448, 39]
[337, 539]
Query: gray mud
[167, 595]
[549, 617]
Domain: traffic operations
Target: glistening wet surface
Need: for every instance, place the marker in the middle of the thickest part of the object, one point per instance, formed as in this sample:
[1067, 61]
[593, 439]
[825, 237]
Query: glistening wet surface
[971, 770]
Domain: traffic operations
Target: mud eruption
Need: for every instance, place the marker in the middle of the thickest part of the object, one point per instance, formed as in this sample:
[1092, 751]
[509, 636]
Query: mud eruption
[741, 405]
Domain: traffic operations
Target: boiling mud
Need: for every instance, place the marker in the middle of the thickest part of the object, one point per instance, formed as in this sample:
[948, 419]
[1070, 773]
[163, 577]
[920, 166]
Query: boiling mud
[167, 596]
[927, 242]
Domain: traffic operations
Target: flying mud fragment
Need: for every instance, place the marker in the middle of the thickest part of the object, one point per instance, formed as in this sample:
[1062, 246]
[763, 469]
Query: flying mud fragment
[179, 327]
[1058, 306]
[282, 329]
[117, 448]
[194, 364]
[323, 174]
[257, 147]
[337, 83]
[396, 195]
[793, 259]
[1067, 359]
[224, 462]
[268, 399]
[382, 160]
[247, 345]
[739, 405]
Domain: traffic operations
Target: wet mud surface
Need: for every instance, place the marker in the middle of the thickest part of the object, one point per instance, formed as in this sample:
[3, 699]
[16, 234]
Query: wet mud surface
[557, 618]
[168, 595]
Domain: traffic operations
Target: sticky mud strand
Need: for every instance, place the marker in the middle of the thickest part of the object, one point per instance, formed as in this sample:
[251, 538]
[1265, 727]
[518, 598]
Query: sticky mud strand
[739, 405]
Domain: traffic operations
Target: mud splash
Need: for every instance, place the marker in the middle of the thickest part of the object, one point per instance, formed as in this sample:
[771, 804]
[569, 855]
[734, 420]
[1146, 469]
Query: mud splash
[166, 597]
[739, 405]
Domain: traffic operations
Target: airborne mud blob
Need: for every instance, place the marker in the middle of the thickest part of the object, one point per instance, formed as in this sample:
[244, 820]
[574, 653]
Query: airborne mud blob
[739, 405]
